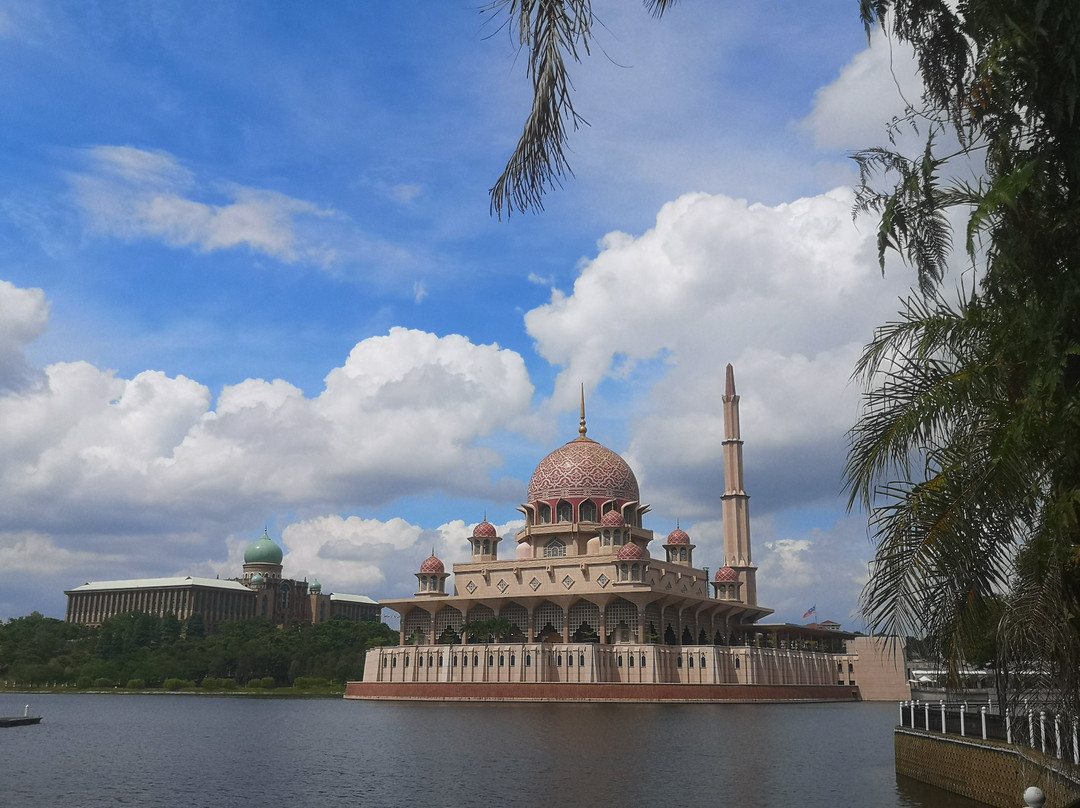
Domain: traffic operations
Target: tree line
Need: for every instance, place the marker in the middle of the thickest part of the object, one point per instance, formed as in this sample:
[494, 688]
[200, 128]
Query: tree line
[143, 650]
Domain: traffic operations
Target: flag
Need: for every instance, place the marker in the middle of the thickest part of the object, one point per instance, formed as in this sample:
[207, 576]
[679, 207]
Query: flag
[812, 610]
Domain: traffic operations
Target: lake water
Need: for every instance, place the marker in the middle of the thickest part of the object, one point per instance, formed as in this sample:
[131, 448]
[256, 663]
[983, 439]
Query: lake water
[177, 750]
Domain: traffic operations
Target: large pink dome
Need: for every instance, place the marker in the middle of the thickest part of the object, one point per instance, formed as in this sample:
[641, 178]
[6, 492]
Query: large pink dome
[631, 552]
[583, 468]
[726, 575]
[613, 519]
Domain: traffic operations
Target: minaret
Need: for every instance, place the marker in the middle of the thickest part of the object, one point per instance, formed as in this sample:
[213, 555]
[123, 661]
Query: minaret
[736, 502]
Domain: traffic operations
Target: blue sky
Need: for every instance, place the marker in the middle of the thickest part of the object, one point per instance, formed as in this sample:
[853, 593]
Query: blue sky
[249, 278]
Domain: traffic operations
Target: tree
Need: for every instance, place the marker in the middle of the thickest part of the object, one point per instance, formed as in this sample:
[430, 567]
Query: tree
[553, 33]
[967, 452]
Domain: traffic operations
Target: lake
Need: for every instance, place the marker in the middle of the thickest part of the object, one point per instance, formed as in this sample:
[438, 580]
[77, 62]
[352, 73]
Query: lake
[188, 750]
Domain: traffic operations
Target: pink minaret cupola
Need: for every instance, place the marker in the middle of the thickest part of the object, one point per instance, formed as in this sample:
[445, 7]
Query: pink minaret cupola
[735, 501]
[726, 584]
[679, 549]
[613, 531]
[485, 542]
[432, 576]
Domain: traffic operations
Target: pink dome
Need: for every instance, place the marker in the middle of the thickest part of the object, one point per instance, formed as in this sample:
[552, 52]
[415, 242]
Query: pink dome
[613, 519]
[484, 530]
[631, 552]
[678, 536]
[432, 565]
[726, 575]
[583, 468]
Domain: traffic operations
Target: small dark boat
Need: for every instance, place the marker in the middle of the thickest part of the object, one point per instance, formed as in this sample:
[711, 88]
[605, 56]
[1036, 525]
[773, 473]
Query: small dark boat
[19, 720]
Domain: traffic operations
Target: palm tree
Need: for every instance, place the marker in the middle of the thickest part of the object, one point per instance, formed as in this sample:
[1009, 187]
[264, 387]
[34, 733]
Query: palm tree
[964, 458]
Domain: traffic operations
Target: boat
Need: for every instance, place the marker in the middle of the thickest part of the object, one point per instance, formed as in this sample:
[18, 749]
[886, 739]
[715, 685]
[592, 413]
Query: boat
[20, 720]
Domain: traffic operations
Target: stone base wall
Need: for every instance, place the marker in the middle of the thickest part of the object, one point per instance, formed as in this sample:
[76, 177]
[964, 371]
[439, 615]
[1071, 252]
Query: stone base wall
[551, 691]
[991, 772]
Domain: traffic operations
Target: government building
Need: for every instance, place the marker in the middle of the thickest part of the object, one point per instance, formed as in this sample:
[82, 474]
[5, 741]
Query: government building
[260, 592]
[584, 608]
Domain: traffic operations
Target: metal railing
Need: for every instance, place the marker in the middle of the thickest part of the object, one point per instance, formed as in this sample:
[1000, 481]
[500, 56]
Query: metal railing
[1050, 733]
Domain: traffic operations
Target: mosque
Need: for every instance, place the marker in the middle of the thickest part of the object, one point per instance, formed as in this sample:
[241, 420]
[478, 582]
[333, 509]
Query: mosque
[260, 591]
[583, 610]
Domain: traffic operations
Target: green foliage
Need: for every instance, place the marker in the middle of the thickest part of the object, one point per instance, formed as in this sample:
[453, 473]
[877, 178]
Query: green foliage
[968, 451]
[36, 650]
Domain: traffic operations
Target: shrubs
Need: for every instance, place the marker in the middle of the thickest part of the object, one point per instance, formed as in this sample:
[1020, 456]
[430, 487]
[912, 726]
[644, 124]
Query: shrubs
[177, 684]
[135, 684]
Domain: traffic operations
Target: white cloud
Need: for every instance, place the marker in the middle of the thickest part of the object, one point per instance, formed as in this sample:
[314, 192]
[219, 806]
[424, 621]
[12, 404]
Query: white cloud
[419, 291]
[132, 193]
[31, 553]
[873, 88]
[24, 316]
[787, 293]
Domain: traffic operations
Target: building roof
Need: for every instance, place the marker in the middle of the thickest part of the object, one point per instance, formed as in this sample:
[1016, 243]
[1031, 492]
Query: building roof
[264, 551]
[160, 583]
[583, 468]
[353, 598]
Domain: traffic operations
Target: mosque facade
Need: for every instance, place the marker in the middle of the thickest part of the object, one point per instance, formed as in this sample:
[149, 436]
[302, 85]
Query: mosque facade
[260, 591]
[584, 600]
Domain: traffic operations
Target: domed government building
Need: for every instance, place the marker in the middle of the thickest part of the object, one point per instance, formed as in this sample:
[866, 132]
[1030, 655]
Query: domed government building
[260, 591]
[583, 608]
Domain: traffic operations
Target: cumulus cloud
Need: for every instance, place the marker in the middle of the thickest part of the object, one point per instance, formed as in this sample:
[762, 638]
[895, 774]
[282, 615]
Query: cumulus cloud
[787, 293]
[24, 315]
[402, 416]
[872, 89]
[133, 193]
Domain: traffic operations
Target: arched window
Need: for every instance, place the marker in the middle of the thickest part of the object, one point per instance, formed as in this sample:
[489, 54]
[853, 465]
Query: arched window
[513, 660]
[587, 511]
[691, 661]
[420, 662]
[558, 661]
[406, 662]
[554, 549]
[581, 659]
[564, 512]
[475, 660]
[455, 661]
[643, 660]
[476, 547]
[736, 663]
[682, 553]
[620, 660]
[605, 538]
[487, 546]
[678, 662]
[545, 514]
[703, 662]
[569, 660]
[528, 660]
[631, 660]
[502, 660]
[635, 572]
[464, 660]
[624, 572]
[608, 506]
[491, 660]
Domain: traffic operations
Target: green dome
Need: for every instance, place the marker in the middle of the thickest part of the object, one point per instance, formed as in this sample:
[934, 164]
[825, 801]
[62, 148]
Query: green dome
[315, 586]
[264, 551]
[258, 579]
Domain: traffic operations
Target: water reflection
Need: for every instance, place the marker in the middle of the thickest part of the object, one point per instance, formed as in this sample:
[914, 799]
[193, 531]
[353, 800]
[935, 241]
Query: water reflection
[199, 750]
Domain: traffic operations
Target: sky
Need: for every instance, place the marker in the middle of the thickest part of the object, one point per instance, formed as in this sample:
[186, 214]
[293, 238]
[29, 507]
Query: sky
[249, 280]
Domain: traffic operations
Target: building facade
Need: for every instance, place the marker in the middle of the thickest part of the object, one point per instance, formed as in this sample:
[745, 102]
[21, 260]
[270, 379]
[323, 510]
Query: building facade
[583, 599]
[260, 591]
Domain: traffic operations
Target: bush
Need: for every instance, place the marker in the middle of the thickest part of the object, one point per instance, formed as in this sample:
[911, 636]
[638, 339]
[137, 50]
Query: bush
[307, 682]
[177, 684]
[103, 682]
[268, 682]
[210, 683]
[136, 684]
[83, 682]
[228, 684]
[255, 684]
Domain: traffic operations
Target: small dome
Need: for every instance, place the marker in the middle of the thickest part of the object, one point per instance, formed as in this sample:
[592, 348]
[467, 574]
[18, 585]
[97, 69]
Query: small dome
[264, 551]
[726, 575]
[631, 552]
[433, 565]
[613, 519]
[315, 586]
[678, 536]
[485, 530]
[258, 579]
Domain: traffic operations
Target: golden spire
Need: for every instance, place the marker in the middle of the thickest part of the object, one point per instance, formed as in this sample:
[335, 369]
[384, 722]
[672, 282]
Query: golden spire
[582, 429]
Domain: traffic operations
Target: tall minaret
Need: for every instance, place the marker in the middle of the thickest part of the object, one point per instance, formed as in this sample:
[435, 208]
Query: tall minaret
[736, 502]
